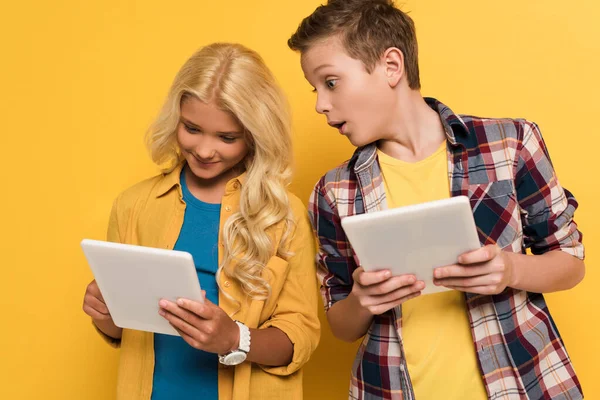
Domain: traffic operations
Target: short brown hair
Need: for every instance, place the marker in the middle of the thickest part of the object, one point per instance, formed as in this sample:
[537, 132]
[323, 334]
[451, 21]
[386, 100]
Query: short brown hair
[367, 28]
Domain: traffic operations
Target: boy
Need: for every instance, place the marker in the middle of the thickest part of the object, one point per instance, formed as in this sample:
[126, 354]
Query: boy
[493, 336]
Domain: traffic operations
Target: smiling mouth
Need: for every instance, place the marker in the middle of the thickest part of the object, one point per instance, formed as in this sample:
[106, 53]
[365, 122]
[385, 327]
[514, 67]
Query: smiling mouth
[205, 162]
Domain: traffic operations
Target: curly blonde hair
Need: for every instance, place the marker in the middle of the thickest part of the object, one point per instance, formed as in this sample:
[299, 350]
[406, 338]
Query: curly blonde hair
[237, 80]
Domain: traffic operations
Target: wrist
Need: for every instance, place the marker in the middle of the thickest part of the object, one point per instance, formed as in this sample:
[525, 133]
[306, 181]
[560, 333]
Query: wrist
[362, 312]
[514, 278]
[239, 352]
[235, 343]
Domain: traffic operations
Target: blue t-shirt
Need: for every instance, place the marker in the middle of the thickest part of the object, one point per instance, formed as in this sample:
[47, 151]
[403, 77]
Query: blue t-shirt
[180, 371]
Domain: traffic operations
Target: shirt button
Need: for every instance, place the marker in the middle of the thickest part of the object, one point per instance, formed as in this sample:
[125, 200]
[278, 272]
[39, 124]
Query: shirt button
[226, 284]
[236, 185]
[227, 208]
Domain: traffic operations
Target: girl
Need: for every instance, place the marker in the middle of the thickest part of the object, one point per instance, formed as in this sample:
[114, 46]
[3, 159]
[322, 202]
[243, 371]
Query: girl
[223, 140]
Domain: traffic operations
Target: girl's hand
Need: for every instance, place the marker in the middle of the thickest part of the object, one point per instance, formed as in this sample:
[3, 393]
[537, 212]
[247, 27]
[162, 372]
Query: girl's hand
[93, 303]
[203, 326]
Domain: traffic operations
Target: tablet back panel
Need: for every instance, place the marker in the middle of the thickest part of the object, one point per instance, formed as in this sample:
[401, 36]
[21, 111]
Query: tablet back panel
[414, 239]
[132, 280]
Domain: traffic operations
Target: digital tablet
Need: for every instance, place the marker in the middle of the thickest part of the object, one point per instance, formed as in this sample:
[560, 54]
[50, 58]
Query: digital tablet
[133, 279]
[414, 239]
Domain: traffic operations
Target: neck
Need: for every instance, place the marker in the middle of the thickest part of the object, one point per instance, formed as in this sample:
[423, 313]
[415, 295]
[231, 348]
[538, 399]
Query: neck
[415, 130]
[208, 190]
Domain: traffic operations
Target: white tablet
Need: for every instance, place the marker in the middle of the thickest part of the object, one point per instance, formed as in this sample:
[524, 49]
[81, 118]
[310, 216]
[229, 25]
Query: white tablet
[414, 239]
[133, 279]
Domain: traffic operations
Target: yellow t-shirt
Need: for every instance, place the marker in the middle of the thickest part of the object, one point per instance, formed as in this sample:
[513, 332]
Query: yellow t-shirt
[435, 328]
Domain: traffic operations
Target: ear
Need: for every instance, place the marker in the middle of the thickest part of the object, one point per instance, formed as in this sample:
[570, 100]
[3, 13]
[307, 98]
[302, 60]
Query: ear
[393, 63]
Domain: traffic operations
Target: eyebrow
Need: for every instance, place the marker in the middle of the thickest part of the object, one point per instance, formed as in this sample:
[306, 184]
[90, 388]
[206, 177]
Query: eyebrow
[321, 67]
[188, 122]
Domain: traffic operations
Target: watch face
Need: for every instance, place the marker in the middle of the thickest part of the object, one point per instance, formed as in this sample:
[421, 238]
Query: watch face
[235, 358]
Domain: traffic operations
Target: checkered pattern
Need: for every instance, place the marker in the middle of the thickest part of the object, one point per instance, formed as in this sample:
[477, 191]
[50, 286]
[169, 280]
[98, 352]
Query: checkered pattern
[503, 166]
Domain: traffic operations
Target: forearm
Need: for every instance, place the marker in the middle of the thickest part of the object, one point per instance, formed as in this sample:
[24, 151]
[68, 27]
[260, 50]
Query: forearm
[109, 328]
[270, 346]
[549, 272]
[349, 321]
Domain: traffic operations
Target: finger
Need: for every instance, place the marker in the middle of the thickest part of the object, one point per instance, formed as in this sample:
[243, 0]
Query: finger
[96, 304]
[394, 296]
[204, 310]
[381, 308]
[94, 314]
[481, 280]
[180, 312]
[181, 324]
[191, 341]
[480, 255]
[365, 278]
[94, 290]
[188, 339]
[456, 270]
[389, 286]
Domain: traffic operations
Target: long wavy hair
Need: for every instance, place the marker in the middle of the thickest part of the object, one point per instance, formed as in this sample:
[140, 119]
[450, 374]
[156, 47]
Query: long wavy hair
[237, 80]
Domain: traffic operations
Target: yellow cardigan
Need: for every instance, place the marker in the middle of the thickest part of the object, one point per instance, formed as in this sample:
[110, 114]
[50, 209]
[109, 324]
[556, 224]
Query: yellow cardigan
[151, 214]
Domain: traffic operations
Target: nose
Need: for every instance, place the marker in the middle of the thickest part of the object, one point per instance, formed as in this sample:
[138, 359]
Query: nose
[323, 104]
[205, 149]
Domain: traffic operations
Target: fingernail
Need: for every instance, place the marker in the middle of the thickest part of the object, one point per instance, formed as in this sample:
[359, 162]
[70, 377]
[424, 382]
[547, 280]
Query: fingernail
[437, 273]
[420, 285]
[163, 303]
[180, 302]
[387, 274]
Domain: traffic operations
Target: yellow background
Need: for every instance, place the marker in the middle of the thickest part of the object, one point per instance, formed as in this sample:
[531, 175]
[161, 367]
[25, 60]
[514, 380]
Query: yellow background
[81, 80]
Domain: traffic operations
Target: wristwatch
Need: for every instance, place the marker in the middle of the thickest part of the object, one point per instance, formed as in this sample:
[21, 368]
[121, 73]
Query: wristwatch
[238, 356]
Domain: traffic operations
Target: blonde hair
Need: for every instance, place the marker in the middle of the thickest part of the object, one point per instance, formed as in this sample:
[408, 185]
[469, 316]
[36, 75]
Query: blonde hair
[237, 80]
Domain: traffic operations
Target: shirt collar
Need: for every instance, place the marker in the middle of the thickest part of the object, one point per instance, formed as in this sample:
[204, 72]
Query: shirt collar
[171, 179]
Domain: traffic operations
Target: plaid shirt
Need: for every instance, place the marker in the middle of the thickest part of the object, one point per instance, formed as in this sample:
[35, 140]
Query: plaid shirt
[503, 166]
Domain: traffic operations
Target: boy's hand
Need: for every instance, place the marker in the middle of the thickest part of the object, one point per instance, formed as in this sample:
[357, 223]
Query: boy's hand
[487, 270]
[204, 326]
[379, 291]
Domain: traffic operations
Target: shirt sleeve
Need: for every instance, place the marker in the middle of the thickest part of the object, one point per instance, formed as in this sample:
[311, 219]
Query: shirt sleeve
[113, 235]
[547, 209]
[335, 259]
[296, 313]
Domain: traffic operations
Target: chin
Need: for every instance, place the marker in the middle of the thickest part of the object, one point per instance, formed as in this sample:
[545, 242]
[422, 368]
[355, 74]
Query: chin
[207, 175]
[358, 141]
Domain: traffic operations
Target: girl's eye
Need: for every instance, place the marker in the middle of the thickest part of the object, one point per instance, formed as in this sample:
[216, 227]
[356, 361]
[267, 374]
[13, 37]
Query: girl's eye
[228, 139]
[191, 129]
[331, 83]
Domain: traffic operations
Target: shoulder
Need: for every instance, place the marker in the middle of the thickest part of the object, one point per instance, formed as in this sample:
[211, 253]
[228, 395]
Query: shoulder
[336, 182]
[486, 129]
[144, 192]
[140, 190]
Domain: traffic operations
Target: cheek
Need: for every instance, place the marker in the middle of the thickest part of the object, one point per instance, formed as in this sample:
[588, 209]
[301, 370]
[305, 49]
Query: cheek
[237, 152]
[185, 141]
[180, 138]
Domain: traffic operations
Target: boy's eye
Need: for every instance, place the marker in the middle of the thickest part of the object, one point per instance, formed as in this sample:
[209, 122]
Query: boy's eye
[331, 83]
[228, 139]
